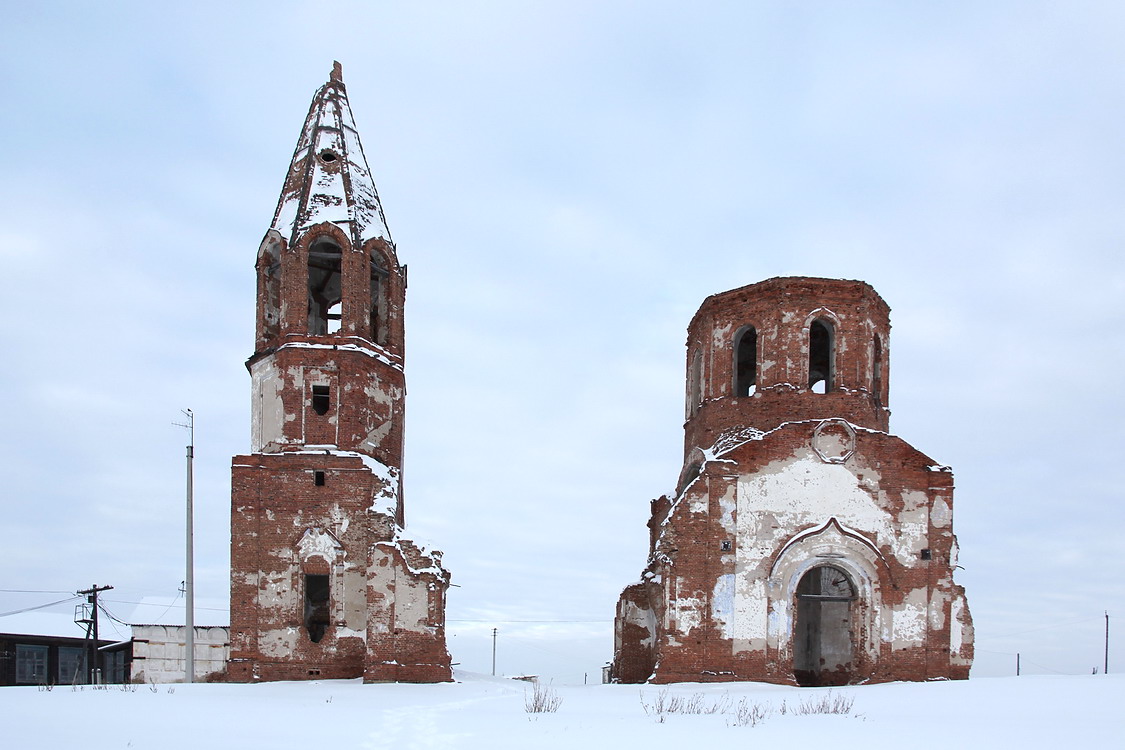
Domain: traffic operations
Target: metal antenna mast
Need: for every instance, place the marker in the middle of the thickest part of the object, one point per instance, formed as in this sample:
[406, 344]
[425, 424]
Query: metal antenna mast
[189, 581]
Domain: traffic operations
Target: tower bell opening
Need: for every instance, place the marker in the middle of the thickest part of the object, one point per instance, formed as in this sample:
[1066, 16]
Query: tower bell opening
[877, 371]
[746, 362]
[377, 303]
[324, 287]
[822, 355]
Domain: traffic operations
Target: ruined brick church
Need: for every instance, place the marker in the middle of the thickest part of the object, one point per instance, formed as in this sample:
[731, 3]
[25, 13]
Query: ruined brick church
[804, 544]
[324, 582]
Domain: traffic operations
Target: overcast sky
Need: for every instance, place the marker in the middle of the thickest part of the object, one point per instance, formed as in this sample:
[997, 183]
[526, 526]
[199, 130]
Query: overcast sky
[568, 182]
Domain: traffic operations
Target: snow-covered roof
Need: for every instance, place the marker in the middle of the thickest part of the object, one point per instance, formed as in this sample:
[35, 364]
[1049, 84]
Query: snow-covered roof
[115, 617]
[56, 624]
[163, 610]
[329, 180]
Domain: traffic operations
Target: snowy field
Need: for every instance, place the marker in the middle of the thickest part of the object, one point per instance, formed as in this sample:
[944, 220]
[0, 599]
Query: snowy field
[488, 712]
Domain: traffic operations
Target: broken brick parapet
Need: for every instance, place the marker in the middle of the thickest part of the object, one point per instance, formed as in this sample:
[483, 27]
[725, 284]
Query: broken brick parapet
[284, 527]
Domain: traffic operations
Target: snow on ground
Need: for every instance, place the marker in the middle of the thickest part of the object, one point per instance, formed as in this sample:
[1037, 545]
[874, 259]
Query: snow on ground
[488, 712]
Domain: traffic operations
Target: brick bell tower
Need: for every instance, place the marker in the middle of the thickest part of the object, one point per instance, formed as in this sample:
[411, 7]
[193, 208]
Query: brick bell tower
[804, 544]
[324, 584]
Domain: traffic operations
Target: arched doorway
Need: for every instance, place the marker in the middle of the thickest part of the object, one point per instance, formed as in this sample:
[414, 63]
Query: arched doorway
[823, 638]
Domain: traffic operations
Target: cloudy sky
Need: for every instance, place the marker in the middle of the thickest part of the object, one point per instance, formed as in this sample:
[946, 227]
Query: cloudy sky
[567, 182]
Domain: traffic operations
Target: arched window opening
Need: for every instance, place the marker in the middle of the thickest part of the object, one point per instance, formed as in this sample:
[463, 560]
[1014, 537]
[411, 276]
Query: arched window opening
[822, 356]
[877, 371]
[822, 634]
[270, 279]
[746, 362]
[377, 314]
[324, 287]
[694, 394]
[316, 606]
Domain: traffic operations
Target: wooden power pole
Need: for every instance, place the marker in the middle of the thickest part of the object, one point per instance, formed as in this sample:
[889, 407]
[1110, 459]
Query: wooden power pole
[93, 663]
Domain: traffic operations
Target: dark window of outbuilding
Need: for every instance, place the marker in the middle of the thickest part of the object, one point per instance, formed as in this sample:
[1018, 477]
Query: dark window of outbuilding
[72, 665]
[318, 478]
[31, 664]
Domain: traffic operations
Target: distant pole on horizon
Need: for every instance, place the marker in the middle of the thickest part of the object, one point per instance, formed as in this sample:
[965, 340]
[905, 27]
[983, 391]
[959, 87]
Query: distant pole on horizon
[1017, 664]
[494, 652]
[189, 580]
[1105, 667]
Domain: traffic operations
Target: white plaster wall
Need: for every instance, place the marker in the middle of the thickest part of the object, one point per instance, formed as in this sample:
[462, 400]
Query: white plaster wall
[960, 631]
[407, 592]
[412, 604]
[267, 414]
[159, 652]
[804, 491]
[641, 616]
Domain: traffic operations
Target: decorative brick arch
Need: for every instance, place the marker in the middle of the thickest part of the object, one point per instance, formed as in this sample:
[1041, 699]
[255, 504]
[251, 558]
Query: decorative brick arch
[835, 545]
[317, 542]
[381, 321]
[324, 233]
[268, 270]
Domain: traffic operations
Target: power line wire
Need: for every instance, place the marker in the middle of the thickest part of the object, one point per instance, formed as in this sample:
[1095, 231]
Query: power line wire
[1059, 624]
[173, 604]
[112, 616]
[41, 606]
[114, 619]
[1044, 666]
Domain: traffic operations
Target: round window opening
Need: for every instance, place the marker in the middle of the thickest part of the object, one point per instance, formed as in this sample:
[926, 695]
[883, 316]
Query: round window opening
[327, 156]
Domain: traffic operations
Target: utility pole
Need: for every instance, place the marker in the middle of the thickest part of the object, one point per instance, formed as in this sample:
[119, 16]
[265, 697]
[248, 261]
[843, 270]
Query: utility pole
[1017, 664]
[189, 582]
[494, 652]
[94, 664]
[1105, 667]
